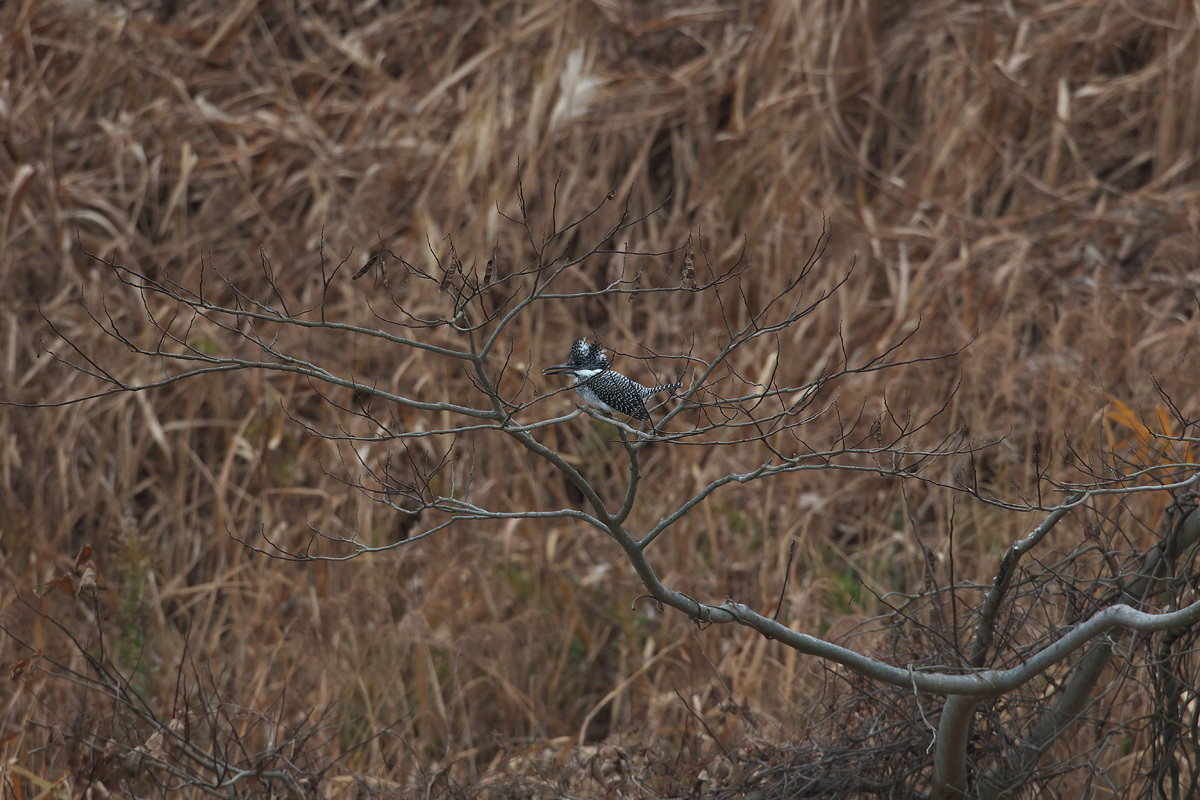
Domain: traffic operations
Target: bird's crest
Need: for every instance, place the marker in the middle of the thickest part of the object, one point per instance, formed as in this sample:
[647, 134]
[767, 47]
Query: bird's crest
[585, 352]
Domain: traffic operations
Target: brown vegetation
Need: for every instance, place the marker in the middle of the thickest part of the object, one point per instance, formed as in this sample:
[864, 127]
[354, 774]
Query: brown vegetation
[1018, 176]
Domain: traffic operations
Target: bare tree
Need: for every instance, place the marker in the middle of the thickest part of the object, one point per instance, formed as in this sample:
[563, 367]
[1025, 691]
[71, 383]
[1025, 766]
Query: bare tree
[1015, 659]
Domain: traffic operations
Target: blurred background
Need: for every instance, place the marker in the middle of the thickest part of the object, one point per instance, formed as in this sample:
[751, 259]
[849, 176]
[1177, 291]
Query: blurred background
[1017, 177]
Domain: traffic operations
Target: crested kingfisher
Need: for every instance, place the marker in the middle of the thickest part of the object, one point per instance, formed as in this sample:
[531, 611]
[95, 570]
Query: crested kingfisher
[603, 388]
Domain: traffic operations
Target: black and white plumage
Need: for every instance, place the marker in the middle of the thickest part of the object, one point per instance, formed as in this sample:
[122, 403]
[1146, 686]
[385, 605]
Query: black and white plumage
[601, 387]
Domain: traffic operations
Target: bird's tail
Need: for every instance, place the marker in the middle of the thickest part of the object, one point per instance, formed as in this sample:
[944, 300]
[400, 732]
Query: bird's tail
[666, 387]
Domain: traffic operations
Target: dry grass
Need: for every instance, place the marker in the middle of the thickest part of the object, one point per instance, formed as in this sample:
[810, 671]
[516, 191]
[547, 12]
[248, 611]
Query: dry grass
[1018, 174]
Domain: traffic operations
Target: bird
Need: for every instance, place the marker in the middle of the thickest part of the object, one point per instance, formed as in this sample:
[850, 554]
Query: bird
[602, 387]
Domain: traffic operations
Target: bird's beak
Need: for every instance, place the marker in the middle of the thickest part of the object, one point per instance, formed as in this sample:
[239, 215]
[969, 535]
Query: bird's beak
[557, 369]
